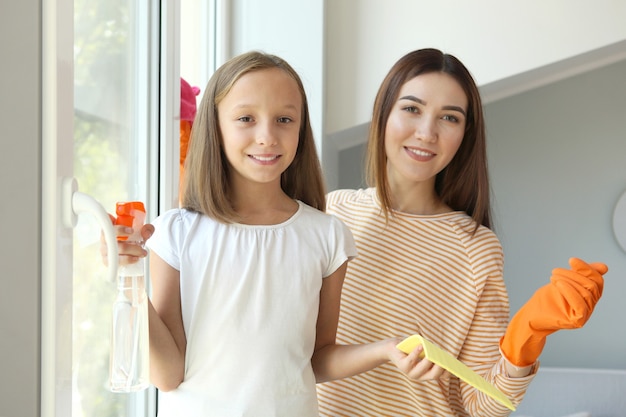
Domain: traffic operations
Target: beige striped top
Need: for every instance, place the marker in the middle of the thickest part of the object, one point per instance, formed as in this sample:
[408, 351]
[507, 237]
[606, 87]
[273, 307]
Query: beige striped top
[421, 274]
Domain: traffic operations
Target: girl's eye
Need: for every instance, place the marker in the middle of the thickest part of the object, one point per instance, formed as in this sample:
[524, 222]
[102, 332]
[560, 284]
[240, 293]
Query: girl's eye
[245, 119]
[284, 120]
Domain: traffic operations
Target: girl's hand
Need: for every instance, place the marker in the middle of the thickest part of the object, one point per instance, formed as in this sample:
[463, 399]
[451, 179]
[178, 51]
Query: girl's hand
[414, 365]
[129, 253]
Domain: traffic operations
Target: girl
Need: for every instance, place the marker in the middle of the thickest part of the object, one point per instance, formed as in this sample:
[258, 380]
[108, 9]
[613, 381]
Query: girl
[246, 277]
[428, 262]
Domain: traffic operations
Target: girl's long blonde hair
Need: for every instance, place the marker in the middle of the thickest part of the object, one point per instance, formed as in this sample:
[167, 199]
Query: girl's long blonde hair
[206, 185]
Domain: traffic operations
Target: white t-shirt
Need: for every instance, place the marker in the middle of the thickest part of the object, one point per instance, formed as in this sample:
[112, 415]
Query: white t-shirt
[250, 298]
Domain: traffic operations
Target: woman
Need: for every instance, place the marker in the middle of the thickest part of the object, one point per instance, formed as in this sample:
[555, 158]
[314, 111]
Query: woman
[428, 262]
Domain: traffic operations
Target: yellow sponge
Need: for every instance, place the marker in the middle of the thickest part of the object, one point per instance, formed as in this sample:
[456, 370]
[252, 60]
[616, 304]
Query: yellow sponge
[457, 368]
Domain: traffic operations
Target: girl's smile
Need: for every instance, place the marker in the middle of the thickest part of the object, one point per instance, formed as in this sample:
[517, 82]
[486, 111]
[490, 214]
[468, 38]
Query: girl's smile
[265, 159]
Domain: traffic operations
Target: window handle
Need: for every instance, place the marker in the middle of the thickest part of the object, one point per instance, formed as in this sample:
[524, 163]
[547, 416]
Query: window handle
[73, 203]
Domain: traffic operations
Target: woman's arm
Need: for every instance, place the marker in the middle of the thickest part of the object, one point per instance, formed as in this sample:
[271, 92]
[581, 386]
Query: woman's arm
[331, 361]
[167, 335]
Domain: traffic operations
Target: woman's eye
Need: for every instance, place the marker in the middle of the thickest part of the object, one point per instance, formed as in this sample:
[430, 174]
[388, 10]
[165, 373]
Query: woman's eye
[411, 109]
[451, 118]
[245, 119]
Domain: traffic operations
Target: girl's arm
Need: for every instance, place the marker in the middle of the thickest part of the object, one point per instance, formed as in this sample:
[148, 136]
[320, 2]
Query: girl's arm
[167, 335]
[331, 361]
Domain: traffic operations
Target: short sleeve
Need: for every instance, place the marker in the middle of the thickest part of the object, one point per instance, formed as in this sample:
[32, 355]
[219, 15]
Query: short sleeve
[343, 243]
[167, 239]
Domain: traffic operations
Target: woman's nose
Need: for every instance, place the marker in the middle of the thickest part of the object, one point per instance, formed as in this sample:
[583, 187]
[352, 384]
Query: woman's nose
[426, 129]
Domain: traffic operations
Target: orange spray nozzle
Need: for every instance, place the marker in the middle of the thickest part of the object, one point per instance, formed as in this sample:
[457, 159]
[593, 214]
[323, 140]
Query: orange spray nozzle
[130, 214]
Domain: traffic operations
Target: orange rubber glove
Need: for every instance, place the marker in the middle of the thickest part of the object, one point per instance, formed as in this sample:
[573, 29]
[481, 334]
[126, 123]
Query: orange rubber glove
[565, 303]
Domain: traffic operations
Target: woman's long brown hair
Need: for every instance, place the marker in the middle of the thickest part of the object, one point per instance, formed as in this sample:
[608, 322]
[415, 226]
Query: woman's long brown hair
[464, 183]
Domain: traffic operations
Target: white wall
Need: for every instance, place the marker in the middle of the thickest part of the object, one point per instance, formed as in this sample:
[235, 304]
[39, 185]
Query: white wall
[20, 95]
[495, 39]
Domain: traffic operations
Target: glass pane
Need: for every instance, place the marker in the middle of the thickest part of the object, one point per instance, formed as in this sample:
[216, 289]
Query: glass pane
[111, 82]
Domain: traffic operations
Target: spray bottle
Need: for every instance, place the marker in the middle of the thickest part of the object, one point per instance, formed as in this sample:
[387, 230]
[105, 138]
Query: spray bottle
[130, 361]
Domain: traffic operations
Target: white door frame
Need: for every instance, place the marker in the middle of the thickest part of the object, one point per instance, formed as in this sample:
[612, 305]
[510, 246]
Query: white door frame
[57, 163]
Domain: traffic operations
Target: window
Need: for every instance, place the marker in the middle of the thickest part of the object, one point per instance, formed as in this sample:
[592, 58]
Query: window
[110, 95]
[115, 94]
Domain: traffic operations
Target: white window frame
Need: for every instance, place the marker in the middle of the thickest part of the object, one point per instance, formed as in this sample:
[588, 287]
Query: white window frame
[160, 167]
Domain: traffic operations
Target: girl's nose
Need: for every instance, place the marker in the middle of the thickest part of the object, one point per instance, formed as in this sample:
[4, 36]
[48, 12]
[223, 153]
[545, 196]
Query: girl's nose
[265, 135]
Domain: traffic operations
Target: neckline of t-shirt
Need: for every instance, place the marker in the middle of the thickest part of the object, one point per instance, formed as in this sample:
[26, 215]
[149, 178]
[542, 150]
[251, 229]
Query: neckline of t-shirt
[438, 216]
[276, 225]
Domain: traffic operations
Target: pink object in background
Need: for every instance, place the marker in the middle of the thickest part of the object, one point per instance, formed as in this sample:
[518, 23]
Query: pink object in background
[187, 100]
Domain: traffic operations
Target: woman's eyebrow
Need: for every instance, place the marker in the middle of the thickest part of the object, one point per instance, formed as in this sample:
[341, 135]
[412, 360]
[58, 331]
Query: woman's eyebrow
[455, 108]
[420, 101]
[412, 98]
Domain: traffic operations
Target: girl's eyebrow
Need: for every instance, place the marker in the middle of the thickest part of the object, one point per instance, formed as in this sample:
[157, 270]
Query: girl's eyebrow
[247, 106]
[420, 101]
